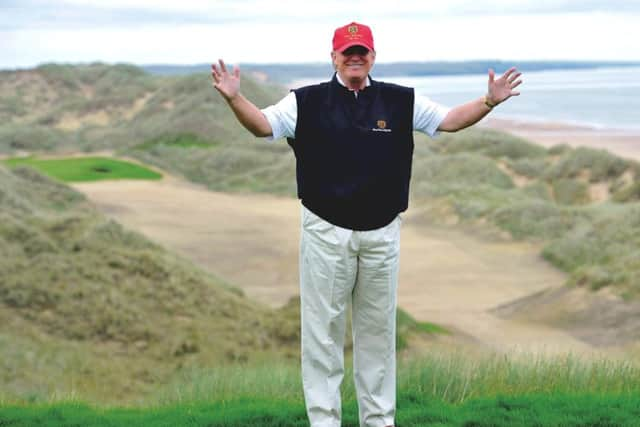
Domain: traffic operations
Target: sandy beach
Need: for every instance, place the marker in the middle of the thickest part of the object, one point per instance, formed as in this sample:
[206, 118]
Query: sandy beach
[622, 142]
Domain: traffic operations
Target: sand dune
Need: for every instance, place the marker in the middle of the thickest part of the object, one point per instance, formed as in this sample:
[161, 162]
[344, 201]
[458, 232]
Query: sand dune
[622, 142]
[449, 277]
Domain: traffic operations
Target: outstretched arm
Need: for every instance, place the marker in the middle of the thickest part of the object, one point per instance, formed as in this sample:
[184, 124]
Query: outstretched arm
[499, 90]
[228, 84]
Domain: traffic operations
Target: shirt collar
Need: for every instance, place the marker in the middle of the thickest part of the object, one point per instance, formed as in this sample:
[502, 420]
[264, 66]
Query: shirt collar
[366, 84]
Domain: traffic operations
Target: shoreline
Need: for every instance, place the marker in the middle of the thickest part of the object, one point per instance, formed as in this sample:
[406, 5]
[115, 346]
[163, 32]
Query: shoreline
[622, 142]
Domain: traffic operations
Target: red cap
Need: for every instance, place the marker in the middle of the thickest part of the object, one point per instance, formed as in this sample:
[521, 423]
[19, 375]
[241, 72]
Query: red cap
[353, 34]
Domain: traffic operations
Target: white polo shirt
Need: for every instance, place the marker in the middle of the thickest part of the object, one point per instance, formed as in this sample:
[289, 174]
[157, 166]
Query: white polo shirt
[427, 115]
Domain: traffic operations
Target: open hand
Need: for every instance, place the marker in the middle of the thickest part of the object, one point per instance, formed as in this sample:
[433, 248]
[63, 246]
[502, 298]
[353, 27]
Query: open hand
[501, 89]
[228, 84]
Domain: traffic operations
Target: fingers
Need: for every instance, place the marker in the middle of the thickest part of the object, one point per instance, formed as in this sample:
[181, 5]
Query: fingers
[215, 73]
[492, 75]
[219, 72]
[510, 78]
[223, 69]
[513, 78]
[507, 74]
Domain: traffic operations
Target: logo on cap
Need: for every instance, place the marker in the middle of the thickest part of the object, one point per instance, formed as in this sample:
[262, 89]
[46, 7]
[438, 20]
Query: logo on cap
[352, 34]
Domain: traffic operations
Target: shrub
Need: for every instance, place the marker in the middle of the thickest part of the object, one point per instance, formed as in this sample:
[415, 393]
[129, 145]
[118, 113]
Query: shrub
[570, 192]
[529, 167]
[601, 165]
[30, 138]
[596, 276]
[491, 143]
[628, 194]
[538, 190]
[463, 169]
[535, 218]
[559, 149]
[602, 249]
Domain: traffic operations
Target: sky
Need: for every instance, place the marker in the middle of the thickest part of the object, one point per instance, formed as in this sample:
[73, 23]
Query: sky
[142, 32]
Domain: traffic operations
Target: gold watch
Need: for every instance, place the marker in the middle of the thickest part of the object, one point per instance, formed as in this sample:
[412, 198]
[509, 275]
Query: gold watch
[485, 99]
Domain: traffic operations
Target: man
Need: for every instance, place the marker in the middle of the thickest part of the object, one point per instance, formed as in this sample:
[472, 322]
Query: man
[352, 138]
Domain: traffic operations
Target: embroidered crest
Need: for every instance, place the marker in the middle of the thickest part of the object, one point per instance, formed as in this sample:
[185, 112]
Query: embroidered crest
[381, 126]
[353, 29]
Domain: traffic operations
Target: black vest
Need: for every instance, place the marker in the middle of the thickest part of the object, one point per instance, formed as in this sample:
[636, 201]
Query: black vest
[353, 154]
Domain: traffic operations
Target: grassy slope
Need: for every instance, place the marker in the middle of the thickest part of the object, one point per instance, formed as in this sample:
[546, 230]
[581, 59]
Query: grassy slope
[80, 298]
[582, 203]
[93, 107]
[89, 307]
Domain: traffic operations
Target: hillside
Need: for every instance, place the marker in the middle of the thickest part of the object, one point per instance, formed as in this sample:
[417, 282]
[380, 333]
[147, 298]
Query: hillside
[87, 306]
[93, 107]
[91, 308]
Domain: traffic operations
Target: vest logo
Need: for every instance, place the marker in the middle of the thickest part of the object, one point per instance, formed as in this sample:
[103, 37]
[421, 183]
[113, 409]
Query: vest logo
[382, 126]
[353, 29]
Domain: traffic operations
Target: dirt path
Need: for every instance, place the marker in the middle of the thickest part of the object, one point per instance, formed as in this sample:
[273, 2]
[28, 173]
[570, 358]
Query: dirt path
[251, 241]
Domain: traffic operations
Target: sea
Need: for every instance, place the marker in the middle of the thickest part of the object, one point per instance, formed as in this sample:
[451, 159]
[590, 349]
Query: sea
[600, 98]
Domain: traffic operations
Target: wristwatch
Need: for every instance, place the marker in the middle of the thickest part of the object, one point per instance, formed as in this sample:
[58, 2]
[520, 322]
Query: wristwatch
[485, 99]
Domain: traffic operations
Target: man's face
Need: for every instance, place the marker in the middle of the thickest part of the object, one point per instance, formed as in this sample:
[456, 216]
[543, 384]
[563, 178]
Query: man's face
[354, 63]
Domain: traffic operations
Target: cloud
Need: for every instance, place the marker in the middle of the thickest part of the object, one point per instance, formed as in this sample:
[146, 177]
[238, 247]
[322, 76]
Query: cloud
[79, 14]
[191, 31]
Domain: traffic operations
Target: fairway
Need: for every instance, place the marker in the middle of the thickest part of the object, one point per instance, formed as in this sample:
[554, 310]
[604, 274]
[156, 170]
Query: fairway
[86, 169]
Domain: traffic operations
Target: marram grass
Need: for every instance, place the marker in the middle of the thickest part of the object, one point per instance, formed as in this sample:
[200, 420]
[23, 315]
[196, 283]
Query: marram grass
[441, 389]
[442, 375]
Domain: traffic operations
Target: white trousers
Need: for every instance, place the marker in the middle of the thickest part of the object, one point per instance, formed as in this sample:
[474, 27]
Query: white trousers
[337, 266]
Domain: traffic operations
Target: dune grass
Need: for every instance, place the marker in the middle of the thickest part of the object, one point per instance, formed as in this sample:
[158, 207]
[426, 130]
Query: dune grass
[84, 169]
[580, 204]
[85, 304]
[452, 375]
[441, 389]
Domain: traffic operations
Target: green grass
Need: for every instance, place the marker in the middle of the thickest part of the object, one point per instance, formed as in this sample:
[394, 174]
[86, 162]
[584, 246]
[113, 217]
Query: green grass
[441, 389]
[83, 169]
[413, 411]
[442, 375]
